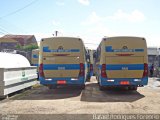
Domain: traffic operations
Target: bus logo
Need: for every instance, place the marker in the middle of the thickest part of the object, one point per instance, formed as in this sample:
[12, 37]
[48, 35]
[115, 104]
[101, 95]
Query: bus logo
[60, 48]
[124, 47]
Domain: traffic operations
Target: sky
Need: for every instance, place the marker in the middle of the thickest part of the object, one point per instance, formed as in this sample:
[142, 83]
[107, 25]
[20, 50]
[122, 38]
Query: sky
[90, 20]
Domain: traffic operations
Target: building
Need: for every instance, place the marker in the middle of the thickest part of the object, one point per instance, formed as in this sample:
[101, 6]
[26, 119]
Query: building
[8, 43]
[11, 42]
[23, 40]
[154, 58]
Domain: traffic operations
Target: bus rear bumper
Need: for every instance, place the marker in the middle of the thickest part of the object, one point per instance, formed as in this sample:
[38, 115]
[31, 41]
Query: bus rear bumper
[129, 81]
[66, 81]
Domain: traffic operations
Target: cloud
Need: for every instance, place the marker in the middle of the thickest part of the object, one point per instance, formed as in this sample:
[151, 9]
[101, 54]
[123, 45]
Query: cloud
[60, 3]
[84, 2]
[134, 16]
[93, 18]
[119, 15]
[56, 23]
[95, 29]
[97, 26]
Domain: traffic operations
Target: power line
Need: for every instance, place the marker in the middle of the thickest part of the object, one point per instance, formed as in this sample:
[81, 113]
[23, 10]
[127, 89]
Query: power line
[18, 10]
[2, 33]
[12, 25]
[2, 29]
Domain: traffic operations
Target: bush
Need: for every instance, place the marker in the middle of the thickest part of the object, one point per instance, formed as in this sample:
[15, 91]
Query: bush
[27, 47]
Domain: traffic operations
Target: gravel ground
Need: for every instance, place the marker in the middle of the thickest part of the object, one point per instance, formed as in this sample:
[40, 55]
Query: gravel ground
[42, 102]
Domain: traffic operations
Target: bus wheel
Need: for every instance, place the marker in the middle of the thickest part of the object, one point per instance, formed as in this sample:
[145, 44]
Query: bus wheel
[82, 87]
[101, 88]
[132, 88]
[52, 86]
[88, 78]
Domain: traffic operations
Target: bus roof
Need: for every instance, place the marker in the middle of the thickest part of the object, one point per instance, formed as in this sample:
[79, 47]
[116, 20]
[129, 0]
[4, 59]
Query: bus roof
[105, 38]
[62, 38]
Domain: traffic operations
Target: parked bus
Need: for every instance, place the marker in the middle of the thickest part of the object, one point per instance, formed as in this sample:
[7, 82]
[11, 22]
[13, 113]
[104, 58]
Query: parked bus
[91, 62]
[63, 61]
[35, 57]
[123, 62]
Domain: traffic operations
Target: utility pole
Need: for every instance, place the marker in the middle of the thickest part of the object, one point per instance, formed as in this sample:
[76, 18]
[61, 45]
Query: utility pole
[56, 33]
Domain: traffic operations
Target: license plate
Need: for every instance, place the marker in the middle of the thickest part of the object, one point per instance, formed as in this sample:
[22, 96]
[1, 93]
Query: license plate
[124, 83]
[61, 82]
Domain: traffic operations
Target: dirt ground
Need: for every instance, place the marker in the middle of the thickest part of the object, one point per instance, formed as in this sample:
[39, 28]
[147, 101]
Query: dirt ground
[42, 101]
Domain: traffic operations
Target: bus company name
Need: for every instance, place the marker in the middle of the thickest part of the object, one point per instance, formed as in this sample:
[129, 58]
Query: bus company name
[124, 49]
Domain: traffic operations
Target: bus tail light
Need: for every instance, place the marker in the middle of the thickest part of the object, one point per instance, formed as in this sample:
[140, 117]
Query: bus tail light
[145, 72]
[103, 71]
[41, 73]
[82, 70]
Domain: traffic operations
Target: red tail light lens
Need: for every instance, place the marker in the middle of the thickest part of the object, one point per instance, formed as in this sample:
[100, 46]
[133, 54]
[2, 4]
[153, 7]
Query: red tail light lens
[82, 70]
[91, 67]
[124, 83]
[41, 73]
[145, 72]
[103, 71]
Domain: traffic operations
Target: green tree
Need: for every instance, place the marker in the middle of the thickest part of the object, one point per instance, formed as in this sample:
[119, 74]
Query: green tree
[18, 46]
[30, 47]
[27, 47]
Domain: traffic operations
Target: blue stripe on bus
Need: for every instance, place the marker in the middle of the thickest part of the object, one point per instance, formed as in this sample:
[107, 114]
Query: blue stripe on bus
[35, 64]
[46, 49]
[35, 56]
[124, 66]
[139, 50]
[109, 49]
[62, 66]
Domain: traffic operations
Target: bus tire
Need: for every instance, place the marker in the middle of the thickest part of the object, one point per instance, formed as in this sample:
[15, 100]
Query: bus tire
[101, 88]
[82, 87]
[52, 87]
[88, 78]
[132, 88]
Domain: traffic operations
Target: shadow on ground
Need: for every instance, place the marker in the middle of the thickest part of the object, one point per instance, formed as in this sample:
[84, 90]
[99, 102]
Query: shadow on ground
[90, 94]
[93, 94]
[43, 93]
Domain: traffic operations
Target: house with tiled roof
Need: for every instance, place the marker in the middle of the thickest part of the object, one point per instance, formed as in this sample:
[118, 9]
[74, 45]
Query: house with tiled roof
[8, 43]
[17, 42]
[23, 40]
